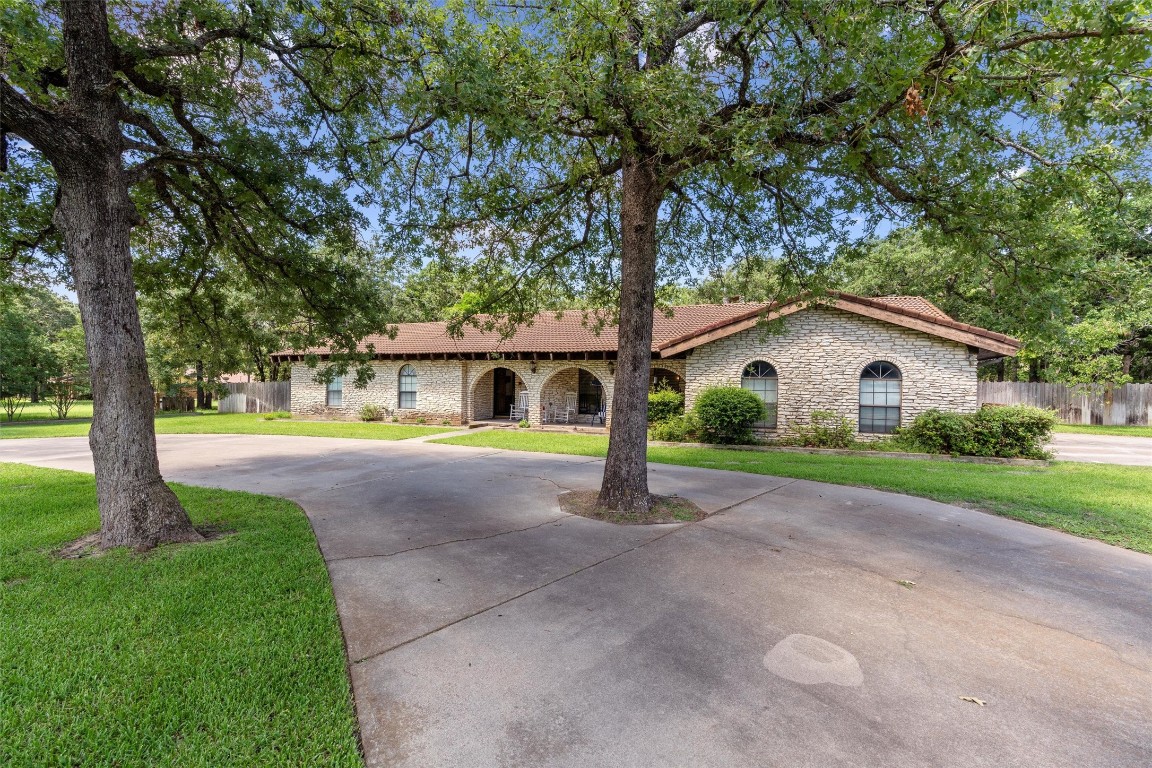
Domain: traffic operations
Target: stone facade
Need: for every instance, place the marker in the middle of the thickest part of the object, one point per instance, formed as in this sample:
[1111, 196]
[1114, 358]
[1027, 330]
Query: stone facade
[819, 354]
[440, 385]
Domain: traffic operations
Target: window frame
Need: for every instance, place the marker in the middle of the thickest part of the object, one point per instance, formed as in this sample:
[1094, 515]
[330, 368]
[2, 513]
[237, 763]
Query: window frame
[772, 409]
[334, 385]
[889, 415]
[401, 393]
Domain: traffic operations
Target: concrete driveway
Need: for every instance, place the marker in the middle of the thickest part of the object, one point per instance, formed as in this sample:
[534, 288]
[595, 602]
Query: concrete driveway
[800, 625]
[1103, 449]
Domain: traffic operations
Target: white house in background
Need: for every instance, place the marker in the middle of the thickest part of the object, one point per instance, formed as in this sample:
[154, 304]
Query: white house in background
[878, 362]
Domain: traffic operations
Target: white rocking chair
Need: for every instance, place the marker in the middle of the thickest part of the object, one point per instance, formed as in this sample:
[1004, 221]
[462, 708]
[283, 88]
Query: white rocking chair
[571, 407]
[520, 407]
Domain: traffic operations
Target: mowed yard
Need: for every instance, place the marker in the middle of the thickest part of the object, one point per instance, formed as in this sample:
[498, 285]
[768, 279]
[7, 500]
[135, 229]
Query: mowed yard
[212, 423]
[1097, 501]
[222, 653]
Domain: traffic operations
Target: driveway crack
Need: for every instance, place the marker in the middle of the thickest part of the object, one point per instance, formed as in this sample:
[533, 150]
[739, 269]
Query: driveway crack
[450, 541]
[518, 596]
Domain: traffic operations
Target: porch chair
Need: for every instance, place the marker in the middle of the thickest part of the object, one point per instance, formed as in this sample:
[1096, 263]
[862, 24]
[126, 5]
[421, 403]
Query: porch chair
[600, 414]
[520, 407]
[571, 407]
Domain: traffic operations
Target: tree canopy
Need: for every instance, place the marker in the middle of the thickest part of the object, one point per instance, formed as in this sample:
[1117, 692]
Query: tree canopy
[224, 137]
[608, 146]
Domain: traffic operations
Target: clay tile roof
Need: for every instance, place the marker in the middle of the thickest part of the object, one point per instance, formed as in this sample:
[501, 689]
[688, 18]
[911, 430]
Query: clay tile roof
[681, 327]
[546, 333]
[916, 304]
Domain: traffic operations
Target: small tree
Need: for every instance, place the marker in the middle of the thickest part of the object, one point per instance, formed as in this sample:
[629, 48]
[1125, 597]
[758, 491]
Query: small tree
[70, 381]
[23, 353]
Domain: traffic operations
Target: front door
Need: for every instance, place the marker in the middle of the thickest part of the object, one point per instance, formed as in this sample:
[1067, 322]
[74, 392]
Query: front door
[503, 392]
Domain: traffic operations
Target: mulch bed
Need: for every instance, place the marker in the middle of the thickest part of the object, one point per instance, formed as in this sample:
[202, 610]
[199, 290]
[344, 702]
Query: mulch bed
[663, 509]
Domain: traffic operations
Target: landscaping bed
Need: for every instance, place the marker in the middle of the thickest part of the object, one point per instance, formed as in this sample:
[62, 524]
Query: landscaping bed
[227, 652]
[664, 509]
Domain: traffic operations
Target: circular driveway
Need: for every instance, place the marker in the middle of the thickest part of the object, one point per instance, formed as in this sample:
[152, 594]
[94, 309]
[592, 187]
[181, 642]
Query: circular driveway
[1103, 449]
[801, 624]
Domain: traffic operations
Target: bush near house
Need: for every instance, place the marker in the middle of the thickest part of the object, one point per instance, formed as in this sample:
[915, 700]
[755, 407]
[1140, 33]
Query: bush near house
[371, 412]
[683, 428]
[1007, 431]
[825, 429]
[664, 404]
[726, 414]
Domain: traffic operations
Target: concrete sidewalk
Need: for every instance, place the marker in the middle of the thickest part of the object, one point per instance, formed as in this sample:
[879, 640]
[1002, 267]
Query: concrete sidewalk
[802, 624]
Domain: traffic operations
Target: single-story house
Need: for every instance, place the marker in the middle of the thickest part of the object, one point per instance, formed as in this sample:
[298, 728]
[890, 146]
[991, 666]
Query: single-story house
[877, 361]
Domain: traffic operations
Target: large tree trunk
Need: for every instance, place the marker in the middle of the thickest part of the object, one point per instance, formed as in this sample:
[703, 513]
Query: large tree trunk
[625, 485]
[96, 215]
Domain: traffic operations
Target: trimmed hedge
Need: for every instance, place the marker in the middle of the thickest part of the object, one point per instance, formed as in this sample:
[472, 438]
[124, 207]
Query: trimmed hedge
[664, 404]
[1006, 431]
[726, 414]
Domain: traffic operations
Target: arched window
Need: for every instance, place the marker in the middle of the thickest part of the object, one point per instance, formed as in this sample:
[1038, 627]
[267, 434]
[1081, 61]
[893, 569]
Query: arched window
[407, 387]
[760, 377]
[880, 398]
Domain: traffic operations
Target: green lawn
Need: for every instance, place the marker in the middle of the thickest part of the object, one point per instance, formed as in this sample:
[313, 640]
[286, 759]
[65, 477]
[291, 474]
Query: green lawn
[222, 653]
[1097, 501]
[237, 424]
[41, 410]
[1095, 429]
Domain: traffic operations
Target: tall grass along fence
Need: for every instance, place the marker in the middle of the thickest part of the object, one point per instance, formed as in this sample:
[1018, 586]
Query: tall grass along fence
[1127, 405]
[256, 397]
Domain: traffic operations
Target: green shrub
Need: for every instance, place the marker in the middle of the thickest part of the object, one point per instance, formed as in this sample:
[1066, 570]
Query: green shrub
[1004, 431]
[683, 428]
[934, 431]
[371, 412]
[277, 415]
[421, 420]
[664, 404]
[825, 429]
[523, 424]
[726, 414]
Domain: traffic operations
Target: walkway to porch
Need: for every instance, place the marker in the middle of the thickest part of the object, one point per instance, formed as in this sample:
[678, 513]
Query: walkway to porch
[580, 428]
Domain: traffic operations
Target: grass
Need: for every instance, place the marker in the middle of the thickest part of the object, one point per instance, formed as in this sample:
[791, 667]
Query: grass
[1097, 429]
[236, 424]
[1097, 501]
[222, 653]
[43, 411]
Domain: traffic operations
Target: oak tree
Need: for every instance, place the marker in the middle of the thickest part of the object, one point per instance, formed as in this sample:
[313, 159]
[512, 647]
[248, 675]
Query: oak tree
[228, 129]
[612, 144]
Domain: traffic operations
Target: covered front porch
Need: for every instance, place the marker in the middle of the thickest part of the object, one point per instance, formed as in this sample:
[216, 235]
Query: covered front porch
[564, 394]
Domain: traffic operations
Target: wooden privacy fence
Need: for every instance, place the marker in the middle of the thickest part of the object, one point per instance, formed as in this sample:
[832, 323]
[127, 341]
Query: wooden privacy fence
[1130, 404]
[256, 397]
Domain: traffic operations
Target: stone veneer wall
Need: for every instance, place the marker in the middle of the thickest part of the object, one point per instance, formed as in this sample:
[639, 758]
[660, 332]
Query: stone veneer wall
[443, 388]
[440, 388]
[819, 357]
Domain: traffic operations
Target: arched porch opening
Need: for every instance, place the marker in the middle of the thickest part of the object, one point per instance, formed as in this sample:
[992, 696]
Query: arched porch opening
[665, 378]
[495, 392]
[591, 397]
